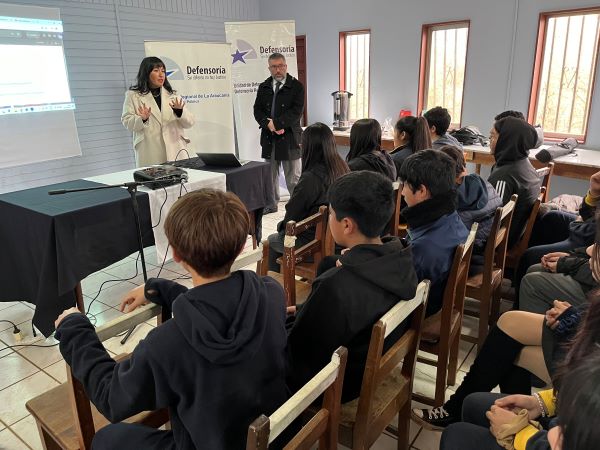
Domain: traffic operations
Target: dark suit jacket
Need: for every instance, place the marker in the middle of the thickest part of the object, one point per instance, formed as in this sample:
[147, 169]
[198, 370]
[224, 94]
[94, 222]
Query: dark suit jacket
[289, 106]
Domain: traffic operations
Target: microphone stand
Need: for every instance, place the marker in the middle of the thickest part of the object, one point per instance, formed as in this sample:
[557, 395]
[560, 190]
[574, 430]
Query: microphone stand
[132, 188]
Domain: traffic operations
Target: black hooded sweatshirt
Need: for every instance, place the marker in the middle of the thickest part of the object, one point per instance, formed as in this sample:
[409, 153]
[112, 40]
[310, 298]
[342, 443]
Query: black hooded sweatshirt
[217, 365]
[513, 173]
[344, 304]
[376, 161]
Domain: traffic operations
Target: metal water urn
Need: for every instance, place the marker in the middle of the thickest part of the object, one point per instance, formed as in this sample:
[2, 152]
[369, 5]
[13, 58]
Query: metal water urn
[341, 105]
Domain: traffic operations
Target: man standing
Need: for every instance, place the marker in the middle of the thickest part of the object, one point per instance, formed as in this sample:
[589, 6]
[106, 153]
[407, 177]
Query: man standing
[278, 108]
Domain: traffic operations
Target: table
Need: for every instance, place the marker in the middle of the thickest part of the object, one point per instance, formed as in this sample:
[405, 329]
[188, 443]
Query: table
[253, 184]
[50, 243]
[161, 200]
[581, 164]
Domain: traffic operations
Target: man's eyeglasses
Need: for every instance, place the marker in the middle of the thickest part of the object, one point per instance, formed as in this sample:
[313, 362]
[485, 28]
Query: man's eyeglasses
[278, 66]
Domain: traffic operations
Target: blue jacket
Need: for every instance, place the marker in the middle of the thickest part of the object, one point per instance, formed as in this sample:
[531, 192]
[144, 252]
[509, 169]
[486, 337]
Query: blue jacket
[433, 244]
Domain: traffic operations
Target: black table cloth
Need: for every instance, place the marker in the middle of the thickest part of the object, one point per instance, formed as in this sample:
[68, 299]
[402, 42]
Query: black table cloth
[50, 243]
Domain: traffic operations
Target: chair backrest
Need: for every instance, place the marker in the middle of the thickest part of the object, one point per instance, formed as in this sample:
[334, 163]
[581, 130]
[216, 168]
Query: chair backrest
[495, 248]
[517, 250]
[322, 245]
[545, 174]
[81, 408]
[369, 425]
[322, 427]
[454, 293]
[394, 223]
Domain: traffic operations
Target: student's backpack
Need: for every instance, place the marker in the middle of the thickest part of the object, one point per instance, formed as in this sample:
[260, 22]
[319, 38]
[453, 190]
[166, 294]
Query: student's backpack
[469, 135]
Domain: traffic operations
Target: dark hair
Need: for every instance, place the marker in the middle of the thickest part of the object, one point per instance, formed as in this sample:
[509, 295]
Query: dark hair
[457, 156]
[418, 132]
[147, 65]
[208, 229]
[578, 404]
[276, 55]
[319, 149]
[430, 168]
[366, 197]
[365, 137]
[510, 113]
[439, 118]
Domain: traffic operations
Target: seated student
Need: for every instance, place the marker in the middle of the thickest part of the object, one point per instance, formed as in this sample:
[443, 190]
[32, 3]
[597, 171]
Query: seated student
[477, 202]
[439, 120]
[371, 276]
[560, 231]
[520, 344]
[411, 135]
[567, 414]
[321, 166]
[434, 227]
[217, 364]
[519, 115]
[510, 141]
[366, 152]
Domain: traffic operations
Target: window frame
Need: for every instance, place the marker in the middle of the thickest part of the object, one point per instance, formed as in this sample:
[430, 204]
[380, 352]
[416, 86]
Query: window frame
[424, 63]
[342, 62]
[538, 65]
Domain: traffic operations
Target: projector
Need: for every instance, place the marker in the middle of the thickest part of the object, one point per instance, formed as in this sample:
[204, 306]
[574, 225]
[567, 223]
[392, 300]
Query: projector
[157, 177]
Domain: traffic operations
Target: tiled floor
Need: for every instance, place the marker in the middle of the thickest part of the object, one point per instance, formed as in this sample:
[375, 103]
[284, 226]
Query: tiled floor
[25, 372]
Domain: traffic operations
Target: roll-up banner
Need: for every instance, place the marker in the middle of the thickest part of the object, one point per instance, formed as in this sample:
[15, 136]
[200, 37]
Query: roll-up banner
[251, 45]
[200, 72]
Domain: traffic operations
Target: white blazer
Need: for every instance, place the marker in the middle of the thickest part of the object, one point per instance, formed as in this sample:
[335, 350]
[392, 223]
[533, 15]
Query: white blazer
[162, 137]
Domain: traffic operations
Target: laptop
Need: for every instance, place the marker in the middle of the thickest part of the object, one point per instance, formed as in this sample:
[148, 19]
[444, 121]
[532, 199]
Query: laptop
[221, 159]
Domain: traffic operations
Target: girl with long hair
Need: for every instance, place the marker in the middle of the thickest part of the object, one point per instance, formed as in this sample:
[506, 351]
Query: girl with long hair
[366, 152]
[411, 135]
[321, 166]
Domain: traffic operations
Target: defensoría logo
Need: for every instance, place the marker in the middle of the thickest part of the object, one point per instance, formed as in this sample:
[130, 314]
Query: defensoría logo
[243, 52]
[174, 72]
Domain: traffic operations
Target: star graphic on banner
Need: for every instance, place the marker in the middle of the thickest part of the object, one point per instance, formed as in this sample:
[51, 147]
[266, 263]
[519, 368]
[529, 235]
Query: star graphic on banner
[238, 56]
[170, 72]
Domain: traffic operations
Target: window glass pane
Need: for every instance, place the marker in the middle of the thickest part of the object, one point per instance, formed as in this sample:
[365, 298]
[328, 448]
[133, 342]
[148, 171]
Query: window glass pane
[446, 60]
[357, 73]
[567, 73]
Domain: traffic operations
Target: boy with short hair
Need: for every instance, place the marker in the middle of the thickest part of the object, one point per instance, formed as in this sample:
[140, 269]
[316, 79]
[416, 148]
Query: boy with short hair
[439, 121]
[371, 276]
[434, 227]
[217, 365]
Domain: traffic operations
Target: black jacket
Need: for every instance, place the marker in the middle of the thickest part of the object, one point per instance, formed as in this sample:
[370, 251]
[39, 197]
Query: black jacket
[289, 106]
[217, 365]
[377, 161]
[577, 265]
[309, 194]
[344, 304]
[513, 173]
[477, 202]
[399, 154]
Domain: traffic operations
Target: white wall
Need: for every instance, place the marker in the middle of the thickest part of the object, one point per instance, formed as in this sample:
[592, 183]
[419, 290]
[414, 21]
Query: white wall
[395, 53]
[104, 44]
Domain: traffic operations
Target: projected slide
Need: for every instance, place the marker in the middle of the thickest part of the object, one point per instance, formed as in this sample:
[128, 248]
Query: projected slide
[36, 79]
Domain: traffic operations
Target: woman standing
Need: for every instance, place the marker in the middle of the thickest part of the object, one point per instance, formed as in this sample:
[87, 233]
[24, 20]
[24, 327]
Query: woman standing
[156, 116]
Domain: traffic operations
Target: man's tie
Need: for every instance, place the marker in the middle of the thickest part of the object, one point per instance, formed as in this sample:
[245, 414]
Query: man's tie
[277, 86]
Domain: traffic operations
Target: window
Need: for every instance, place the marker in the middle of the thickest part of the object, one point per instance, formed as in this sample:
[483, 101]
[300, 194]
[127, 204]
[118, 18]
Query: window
[354, 70]
[564, 71]
[442, 72]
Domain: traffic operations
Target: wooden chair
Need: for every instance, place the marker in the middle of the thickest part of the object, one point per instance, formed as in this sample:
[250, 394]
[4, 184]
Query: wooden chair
[545, 174]
[322, 427]
[441, 331]
[397, 226]
[513, 254]
[293, 262]
[64, 415]
[486, 286]
[386, 388]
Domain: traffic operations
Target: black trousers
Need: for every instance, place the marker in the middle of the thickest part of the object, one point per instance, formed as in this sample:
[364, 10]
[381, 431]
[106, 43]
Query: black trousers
[132, 436]
[474, 432]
